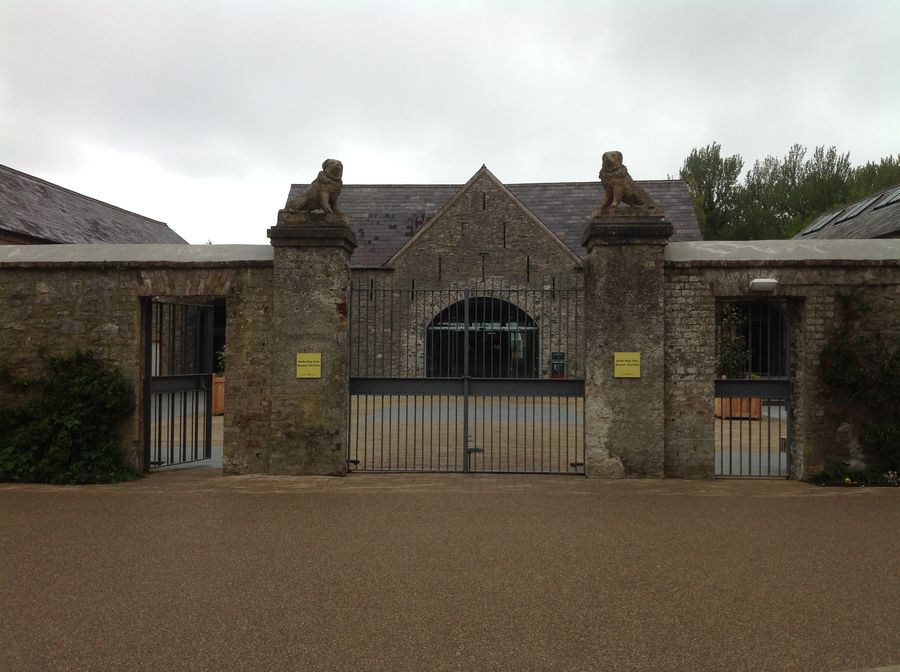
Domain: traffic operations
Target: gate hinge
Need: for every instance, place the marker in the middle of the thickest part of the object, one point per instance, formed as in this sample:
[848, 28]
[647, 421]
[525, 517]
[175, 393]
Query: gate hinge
[474, 450]
[575, 465]
[355, 463]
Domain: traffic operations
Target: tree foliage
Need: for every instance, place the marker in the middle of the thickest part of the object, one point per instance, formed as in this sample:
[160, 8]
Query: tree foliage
[712, 180]
[778, 195]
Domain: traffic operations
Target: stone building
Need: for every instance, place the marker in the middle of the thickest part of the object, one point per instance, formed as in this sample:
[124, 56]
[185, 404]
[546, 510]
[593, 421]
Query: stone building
[34, 211]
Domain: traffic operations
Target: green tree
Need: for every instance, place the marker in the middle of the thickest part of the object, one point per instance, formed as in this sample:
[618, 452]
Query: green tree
[712, 181]
[779, 196]
[872, 177]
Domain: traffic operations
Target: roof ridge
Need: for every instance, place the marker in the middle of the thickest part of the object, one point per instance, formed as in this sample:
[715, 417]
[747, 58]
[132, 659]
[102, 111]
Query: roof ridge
[85, 196]
[395, 186]
[461, 184]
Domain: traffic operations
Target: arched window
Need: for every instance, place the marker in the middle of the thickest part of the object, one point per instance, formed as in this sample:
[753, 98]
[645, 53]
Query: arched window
[503, 341]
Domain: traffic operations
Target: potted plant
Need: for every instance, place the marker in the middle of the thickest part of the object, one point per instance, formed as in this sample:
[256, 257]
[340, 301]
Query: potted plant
[732, 361]
[218, 383]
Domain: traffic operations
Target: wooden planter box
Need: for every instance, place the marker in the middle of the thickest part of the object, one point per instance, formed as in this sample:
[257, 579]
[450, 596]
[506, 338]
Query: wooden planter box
[218, 395]
[738, 407]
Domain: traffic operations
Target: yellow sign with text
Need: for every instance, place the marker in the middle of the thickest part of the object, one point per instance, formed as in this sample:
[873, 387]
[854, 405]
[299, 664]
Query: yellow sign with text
[627, 365]
[309, 364]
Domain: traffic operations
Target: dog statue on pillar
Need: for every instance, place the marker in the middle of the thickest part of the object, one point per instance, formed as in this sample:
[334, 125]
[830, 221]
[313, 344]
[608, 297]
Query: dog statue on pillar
[620, 188]
[323, 193]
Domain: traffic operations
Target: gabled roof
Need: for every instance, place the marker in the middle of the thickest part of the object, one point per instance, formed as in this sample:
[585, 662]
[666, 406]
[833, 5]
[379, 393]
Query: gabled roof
[876, 216]
[32, 207]
[385, 216]
[483, 171]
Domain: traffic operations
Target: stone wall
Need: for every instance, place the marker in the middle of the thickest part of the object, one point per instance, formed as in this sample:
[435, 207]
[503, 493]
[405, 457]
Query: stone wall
[689, 369]
[55, 308]
[811, 286]
[54, 311]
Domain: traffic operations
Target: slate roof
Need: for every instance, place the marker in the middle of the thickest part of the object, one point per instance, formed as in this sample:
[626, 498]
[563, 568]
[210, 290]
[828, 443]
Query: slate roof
[30, 206]
[876, 216]
[385, 216]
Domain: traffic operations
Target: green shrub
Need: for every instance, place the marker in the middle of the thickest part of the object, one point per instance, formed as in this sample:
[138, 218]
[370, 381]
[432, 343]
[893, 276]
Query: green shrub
[861, 366]
[66, 429]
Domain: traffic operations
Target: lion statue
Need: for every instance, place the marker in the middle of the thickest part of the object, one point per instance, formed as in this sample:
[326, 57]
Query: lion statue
[619, 186]
[323, 193]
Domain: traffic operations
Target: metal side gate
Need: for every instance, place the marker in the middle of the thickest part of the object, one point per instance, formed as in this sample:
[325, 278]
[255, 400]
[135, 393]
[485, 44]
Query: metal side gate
[752, 416]
[752, 428]
[178, 361]
[466, 380]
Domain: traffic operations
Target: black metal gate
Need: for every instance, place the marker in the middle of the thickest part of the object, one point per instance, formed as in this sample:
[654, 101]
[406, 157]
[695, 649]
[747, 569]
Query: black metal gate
[178, 365]
[486, 380]
[752, 412]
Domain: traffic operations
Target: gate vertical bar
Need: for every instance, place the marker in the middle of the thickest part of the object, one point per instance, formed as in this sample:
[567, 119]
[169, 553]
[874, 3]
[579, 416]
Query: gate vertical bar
[207, 370]
[147, 317]
[466, 380]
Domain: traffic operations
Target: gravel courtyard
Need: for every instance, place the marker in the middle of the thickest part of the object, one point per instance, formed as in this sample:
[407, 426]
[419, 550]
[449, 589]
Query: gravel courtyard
[191, 570]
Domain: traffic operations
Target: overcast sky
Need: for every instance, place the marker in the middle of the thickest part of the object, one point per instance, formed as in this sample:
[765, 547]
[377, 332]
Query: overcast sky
[202, 113]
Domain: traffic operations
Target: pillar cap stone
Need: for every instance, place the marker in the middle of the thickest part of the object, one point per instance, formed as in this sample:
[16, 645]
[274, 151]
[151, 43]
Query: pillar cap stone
[626, 229]
[312, 229]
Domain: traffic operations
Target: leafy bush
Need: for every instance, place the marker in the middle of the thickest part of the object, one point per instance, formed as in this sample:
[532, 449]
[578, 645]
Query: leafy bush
[66, 430]
[862, 367]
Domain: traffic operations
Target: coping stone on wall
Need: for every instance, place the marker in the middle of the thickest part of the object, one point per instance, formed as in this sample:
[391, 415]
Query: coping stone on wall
[710, 252]
[145, 255]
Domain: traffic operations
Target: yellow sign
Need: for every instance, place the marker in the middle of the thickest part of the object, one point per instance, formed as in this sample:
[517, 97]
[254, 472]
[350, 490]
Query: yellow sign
[309, 364]
[627, 365]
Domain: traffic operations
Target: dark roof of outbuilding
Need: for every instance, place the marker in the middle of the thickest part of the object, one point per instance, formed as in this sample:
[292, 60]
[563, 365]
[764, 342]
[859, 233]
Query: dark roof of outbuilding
[876, 216]
[33, 207]
[385, 216]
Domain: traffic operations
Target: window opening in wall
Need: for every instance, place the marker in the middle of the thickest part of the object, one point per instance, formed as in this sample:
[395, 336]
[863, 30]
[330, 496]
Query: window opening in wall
[504, 234]
[752, 339]
[483, 201]
[440, 269]
[483, 255]
[528, 269]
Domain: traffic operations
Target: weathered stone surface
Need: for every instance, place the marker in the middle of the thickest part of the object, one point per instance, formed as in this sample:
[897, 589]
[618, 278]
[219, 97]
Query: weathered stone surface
[55, 309]
[323, 193]
[620, 188]
[310, 282]
[810, 278]
[624, 298]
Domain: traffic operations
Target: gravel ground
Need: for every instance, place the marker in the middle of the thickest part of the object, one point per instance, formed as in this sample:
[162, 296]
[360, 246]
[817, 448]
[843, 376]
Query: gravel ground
[191, 570]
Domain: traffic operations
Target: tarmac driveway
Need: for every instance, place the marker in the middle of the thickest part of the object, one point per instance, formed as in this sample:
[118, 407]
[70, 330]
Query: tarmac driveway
[190, 570]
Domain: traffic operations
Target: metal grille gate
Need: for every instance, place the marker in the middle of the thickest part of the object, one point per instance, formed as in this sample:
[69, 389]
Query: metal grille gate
[752, 397]
[178, 361]
[469, 380]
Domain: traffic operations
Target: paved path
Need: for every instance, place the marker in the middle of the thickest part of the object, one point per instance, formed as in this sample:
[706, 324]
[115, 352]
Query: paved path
[189, 570]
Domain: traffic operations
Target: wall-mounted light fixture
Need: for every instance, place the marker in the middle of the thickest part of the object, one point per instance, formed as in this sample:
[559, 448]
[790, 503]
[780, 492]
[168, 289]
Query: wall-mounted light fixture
[763, 285]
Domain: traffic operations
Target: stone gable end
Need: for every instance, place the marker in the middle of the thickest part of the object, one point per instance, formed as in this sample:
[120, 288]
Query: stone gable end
[484, 233]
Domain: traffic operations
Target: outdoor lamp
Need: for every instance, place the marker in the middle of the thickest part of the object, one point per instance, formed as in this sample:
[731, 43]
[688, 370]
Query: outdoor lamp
[763, 285]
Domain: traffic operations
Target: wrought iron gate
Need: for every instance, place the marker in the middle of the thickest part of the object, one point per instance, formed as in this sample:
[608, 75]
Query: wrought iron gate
[178, 365]
[752, 393]
[487, 380]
